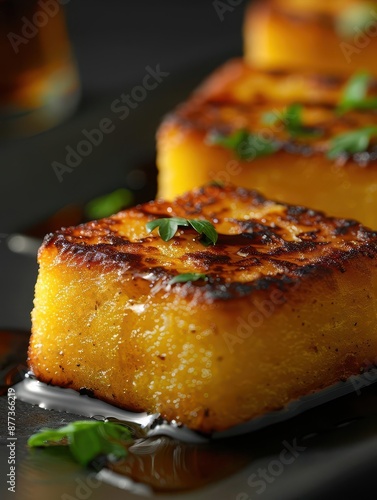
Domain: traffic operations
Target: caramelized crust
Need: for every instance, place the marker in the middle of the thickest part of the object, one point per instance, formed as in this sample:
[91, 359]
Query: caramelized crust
[238, 97]
[287, 308]
[261, 243]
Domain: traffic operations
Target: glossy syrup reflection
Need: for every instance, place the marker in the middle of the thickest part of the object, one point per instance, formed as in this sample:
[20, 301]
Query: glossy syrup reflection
[175, 459]
[160, 462]
[166, 464]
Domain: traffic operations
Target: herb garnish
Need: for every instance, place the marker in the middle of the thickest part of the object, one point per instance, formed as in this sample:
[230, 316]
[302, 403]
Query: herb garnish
[185, 277]
[168, 227]
[247, 146]
[291, 118]
[353, 142]
[86, 439]
[109, 204]
[355, 94]
[354, 19]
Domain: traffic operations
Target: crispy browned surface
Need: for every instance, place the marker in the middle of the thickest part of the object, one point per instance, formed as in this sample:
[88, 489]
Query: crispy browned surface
[288, 308]
[237, 97]
[275, 243]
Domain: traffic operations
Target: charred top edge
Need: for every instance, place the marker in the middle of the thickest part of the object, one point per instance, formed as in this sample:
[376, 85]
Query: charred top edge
[322, 244]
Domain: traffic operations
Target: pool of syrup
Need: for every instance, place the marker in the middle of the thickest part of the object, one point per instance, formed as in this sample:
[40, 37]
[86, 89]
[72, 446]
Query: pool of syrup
[170, 461]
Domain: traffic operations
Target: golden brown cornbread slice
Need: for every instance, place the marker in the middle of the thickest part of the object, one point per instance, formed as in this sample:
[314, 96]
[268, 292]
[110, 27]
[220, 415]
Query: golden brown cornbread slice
[237, 98]
[286, 306]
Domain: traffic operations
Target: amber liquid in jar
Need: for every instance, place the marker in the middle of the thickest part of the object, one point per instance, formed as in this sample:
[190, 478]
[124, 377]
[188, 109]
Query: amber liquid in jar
[39, 85]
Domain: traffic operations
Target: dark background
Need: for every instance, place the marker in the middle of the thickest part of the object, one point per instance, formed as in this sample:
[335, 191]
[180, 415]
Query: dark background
[114, 41]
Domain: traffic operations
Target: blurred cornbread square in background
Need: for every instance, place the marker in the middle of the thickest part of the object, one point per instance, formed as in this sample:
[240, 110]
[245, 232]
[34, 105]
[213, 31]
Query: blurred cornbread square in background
[335, 37]
[303, 138]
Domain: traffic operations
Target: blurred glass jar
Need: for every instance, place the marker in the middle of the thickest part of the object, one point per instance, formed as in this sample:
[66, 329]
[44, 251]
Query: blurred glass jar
[39, 84]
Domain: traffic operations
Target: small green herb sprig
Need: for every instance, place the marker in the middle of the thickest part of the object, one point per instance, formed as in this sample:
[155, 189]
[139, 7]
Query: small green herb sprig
[357, 141]
[86, 439]
[292, 120]
[109, 204]
[187, 277]
[168, 227]
[246, 146]
[355, 94]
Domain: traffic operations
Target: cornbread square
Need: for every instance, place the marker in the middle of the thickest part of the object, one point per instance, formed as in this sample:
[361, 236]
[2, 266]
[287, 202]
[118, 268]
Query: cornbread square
[285, 306]
[333, 37]
[237, 98]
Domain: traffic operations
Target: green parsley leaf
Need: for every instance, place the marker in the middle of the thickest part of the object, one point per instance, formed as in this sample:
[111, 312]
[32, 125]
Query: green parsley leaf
[292, 120]
[355, 94]
[206, 229]
[271, 117]
[86, 439]
[356, 88]
[168, 227]
[185, 277]
[353, 142]
[109, 204]
[247, 146]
